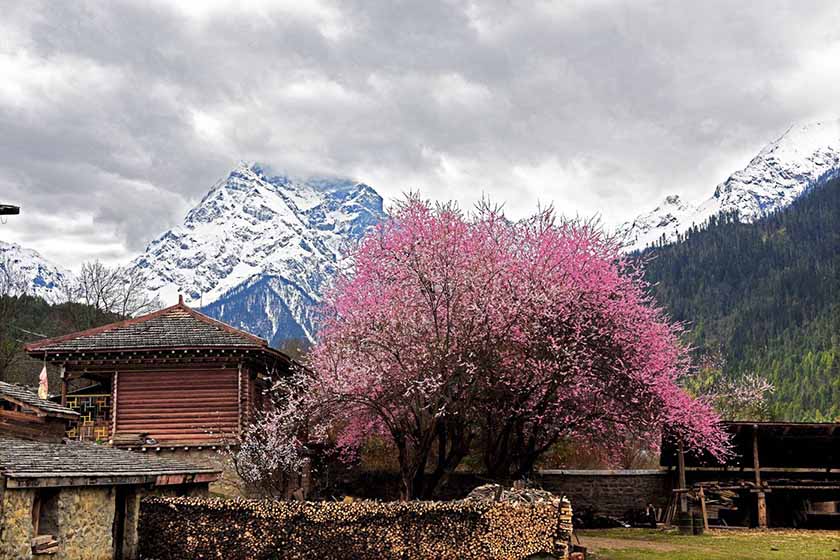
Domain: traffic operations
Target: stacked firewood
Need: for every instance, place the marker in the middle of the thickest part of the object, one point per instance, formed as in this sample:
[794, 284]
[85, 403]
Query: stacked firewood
[44, 544]
[185, 528]
[520, 494]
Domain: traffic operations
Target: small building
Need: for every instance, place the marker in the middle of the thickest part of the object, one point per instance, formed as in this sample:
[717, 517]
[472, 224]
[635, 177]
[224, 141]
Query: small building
[74, 500]
[783, 474]
[172, 382]
[24, 414]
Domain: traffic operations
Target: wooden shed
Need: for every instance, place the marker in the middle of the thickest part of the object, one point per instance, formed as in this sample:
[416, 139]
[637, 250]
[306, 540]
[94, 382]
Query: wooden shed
[784, 473]
[175, 378]
[24, 414]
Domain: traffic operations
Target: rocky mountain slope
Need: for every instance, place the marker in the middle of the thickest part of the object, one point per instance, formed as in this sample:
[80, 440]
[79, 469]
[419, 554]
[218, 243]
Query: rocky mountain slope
[259, 248]
[803, 156]
[23, 270]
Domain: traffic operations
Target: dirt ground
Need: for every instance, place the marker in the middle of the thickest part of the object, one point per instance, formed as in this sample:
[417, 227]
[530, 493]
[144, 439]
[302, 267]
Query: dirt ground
[595, 544]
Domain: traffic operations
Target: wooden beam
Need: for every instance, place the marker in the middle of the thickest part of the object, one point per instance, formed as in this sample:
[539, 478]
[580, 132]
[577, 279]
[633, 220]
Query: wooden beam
[239, 398]
[703, 509]
[761, 500]
[114, 405]
[2, 503]
[62, 481]
[64, 382]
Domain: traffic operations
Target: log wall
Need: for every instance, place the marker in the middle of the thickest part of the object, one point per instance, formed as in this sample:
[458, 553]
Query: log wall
[188, 407]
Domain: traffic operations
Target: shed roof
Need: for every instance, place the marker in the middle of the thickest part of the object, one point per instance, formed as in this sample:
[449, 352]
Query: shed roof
[74, 459]
[26, 398]
[780, 445]
[173, 327]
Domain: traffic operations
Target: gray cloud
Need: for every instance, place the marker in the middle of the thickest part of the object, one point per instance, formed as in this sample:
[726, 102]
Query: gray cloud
[115, 117]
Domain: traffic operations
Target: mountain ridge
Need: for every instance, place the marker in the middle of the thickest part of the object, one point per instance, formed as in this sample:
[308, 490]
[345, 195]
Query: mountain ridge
[259, 248]
[804, 156]
[25, 270]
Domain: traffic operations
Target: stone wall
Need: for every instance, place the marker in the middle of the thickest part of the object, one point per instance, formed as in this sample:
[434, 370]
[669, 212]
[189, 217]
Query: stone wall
[609, 492]
[85, 522]
[85, 519]
[16, 525]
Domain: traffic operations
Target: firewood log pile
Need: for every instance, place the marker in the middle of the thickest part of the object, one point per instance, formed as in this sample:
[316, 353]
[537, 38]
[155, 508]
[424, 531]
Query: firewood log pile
[44, 544]
[498, 493]
[198, 528]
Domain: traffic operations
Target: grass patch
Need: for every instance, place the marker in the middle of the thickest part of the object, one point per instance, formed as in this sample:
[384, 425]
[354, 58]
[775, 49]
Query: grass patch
[650, 544]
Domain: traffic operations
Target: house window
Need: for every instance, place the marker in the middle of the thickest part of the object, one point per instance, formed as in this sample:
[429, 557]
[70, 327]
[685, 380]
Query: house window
[45, 521]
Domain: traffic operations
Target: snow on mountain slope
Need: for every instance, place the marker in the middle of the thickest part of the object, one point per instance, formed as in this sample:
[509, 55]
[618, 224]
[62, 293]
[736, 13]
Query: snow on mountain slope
[26, 271]
[803, 156]
[257, 251]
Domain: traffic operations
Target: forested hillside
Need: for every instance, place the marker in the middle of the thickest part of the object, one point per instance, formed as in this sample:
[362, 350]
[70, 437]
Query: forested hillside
[29, 318]
[766, 296]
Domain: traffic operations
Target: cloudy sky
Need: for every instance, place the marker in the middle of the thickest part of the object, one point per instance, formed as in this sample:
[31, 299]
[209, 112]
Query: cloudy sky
[116, 117]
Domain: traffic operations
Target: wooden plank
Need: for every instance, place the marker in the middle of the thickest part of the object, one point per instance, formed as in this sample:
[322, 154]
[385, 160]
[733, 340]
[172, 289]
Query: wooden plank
[64, 382]
[176, 399]
[129, 416]
[703, 509]
[23, 417]
[162, 427]
[63, 481]
[186, 385]
[762, 502]
[2, 501]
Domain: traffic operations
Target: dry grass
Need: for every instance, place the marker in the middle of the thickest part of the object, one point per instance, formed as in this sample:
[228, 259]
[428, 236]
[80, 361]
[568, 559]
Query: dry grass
[648, 544]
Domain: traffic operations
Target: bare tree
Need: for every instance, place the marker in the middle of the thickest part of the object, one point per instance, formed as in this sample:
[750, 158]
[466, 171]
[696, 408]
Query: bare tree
[107, 293]
[13, 285]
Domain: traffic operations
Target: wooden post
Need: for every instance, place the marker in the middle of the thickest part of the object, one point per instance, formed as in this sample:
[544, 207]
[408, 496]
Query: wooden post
[2, 503]
[762, 503]
[681, 478]
[703, 509]
[114, 405]
[64, 383]
[239, 402]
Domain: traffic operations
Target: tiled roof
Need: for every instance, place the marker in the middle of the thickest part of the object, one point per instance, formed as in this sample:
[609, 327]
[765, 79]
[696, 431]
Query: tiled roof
[34, 459]
[25, 397]
[174, 327]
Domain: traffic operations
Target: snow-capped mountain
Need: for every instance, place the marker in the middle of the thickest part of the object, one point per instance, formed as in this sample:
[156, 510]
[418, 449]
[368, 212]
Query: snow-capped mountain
[23, 270]
[802, 157]
[257, 250]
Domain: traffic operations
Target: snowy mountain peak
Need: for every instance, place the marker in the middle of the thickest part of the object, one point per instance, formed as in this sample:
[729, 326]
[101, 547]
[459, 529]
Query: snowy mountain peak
[260, 246]
[803, 156]
[24, 271]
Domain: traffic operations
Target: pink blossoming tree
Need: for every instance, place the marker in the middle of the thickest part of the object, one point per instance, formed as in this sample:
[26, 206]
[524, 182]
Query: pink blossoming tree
[458, 332]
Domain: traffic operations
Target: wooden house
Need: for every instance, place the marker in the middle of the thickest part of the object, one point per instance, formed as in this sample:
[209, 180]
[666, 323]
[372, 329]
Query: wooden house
[75, 500]
[172, 379]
